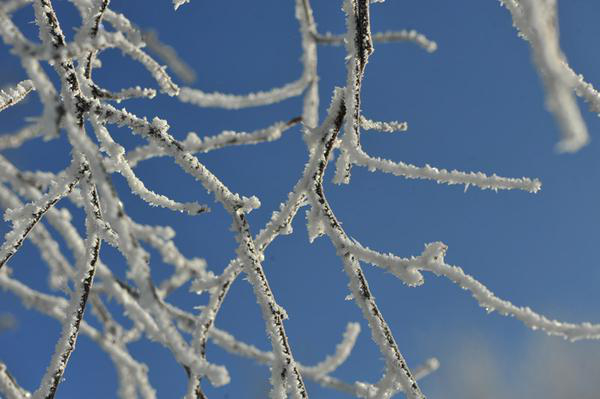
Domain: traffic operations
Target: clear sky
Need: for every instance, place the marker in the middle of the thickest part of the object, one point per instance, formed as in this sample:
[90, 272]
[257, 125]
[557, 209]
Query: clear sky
[476, 104]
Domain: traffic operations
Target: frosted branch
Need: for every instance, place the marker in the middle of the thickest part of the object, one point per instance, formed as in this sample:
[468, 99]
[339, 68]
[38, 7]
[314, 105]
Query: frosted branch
[537, 23]
[56, 307]
[77, 304]
[124, 94]
[116, 152]
[385, 37]
[157, 133]
[405, 269]
[308, 28]
[184, 268]
[235, 101]
[427, 172]
[77, 103]
[16, 94]
[158, 71]
[25, 219]
[15, 140]
[169, 56]
[284, 371]
[60, 268]
[359, 46]
[585, 90]
[396, 367]
[342, 351]
[90, 29]
[358, 389]
[432, 260]
[277, 94]
[9, 6]
[195, 144]
[9, 387]
[387, 127]
[179, 3]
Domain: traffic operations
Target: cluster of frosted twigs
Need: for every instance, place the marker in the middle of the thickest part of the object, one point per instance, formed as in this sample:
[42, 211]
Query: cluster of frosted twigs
[28, 197]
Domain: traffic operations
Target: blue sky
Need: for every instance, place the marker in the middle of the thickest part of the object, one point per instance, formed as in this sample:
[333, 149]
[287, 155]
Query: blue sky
[476, 104]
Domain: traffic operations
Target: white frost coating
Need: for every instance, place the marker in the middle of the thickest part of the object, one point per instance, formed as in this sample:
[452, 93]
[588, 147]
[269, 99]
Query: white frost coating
[160, 238]
[105, 40]
[116, 153]
[384, 37]
[585, 90]
[355, 69]
[369, 391]
[157, 133]
[408, 35]
[15, 94]
[396, 368]
[46, 91]
[281, 221]
[86, 267]
[125, 94]
[315, 224]
[428, 367]
[432, 260]
[195, 144]
[277, 94]
[308, 29]
[537, 23]
[59, 268]
[158, 72]
[169, 56]
[284, 371]
[9, 6]
[60, 220]
[216, 374]
[405, 269]
[235, 101]
[543, 37]
[191, 164]
[342, 351]
[169, 336]
[122, 24]
[15, 140]
[139, 271]
[9, 387]
[78, 100]
[358, 389]
[167, 248]
[427, 172]
[25, 219]
[55, 307]
[387, 127]
[179, 3]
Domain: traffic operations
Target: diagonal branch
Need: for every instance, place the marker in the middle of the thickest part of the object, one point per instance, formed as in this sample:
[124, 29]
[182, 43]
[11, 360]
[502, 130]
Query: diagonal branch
[16, 94]
[9, 387]
[195, 144]
[25, 219]
[77, 304]
[396, 367]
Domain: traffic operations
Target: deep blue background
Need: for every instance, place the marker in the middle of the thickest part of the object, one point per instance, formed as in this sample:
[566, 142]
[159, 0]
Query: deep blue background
[476, 105]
